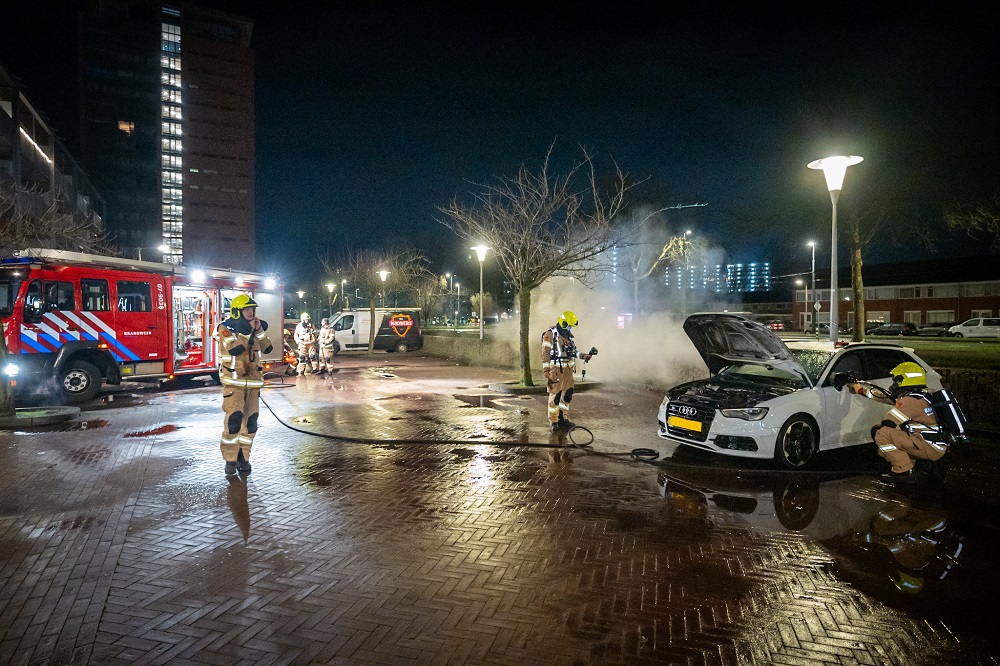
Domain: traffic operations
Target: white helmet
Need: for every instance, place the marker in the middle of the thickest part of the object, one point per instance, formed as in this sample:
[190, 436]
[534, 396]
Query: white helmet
[305, 318]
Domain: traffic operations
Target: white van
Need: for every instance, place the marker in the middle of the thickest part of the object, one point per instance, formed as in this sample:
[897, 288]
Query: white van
[398, 329]
[976, 328]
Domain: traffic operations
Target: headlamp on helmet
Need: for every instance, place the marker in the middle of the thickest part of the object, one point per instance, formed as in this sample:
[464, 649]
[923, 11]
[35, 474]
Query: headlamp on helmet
[240, 302]
[567, 319]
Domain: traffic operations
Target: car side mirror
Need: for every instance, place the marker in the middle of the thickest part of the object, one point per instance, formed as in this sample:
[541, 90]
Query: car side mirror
[841, 379]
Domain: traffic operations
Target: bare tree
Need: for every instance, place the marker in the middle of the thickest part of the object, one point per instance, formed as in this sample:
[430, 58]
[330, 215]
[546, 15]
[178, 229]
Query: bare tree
[540, 225]
[363, 268]
[978, 220]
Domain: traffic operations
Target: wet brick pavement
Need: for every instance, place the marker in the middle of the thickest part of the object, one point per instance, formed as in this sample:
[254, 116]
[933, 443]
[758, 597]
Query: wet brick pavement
[122, 542]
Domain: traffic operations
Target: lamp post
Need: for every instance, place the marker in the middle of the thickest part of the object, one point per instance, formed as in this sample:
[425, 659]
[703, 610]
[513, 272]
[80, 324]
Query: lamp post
[812, 245]
[302, 303]
[161, 248]
[834, 169]
[458, 303]
[383, 274]
[481, 251]
[330, 287]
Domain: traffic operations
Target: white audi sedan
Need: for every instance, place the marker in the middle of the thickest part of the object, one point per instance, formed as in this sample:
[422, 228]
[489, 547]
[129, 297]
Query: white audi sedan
[766, 399]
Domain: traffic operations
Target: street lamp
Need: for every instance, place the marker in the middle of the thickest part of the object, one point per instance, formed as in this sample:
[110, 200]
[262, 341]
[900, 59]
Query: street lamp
[330, 287]
[383, 274]
[161, 248]
[481, 253]
[834, 169]
[458, 302]
[451, 288]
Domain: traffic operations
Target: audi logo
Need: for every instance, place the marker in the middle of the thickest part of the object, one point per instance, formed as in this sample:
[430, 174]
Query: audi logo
[687, 410]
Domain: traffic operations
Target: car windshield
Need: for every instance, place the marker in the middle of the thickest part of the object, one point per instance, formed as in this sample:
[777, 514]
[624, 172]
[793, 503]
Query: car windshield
[10, 284]
[762, 373]
[813, 361]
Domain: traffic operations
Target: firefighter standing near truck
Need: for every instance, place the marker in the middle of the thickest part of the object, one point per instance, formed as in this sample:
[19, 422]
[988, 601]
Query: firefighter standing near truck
[909, 435]
[327, 346]
[559, 356]
[242, 340]
[305, 340]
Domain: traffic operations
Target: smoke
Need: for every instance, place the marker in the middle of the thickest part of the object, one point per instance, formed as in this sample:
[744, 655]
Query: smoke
[644, 347]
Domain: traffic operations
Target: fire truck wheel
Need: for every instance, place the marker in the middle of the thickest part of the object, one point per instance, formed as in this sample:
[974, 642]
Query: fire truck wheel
[79, 381]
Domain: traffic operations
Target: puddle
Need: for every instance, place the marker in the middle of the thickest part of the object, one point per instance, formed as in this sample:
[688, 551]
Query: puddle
[408, 398]
[67, 426]
[161, 430]
[489, 400]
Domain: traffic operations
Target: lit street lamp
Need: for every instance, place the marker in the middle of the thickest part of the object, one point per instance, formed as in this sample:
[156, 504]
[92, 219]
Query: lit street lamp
[834, 169]
[812, 244]
[458, 303]
[330, 287]
[161, 248]
[383, 274]
[481, 253]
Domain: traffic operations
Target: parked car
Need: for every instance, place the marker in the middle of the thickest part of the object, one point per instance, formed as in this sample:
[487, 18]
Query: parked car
[768, 400]
[896, 329]
[976, 328]
[822, 328]
[940, 330]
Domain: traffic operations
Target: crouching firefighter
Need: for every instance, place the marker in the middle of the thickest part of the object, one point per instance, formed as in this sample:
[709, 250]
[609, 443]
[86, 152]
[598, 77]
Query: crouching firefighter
[910, 434]
[559, 356]
[242, 340]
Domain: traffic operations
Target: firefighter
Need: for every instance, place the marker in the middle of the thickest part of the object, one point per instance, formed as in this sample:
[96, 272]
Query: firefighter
[327, 346]
[305, 340]
[558, 363]
[909, 434]
[242, 339]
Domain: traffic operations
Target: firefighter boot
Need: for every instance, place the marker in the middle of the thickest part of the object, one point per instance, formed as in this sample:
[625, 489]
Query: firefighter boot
[907, 478]
[936, 470]
[242, 464]
[565, 424]
[230, 468]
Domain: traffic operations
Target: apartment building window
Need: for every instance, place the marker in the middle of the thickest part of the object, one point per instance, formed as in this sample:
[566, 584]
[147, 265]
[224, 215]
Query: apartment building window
[911, 317]
[126, 126]
[940, 316]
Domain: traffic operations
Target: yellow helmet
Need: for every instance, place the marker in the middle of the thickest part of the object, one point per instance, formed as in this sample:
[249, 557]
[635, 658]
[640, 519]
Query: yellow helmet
[909, 374]
[237, 304]
[568, 319]
[305, 318]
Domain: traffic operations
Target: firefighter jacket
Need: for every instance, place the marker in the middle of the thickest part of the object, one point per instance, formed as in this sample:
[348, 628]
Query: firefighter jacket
[240, 349]
[912, 413]
[305, 335]
[558, 349]
[327, 336]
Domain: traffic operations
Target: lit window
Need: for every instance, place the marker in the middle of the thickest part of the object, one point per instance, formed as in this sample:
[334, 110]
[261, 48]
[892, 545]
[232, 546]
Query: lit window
[126, 126]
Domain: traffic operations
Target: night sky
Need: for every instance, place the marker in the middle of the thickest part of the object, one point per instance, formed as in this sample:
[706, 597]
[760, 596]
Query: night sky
[371, 114]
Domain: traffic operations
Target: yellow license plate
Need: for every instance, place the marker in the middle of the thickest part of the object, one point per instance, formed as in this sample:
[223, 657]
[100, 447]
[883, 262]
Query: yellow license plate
[686, 424]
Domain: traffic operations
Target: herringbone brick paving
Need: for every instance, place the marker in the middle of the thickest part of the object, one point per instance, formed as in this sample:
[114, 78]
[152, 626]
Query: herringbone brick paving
[135, 549]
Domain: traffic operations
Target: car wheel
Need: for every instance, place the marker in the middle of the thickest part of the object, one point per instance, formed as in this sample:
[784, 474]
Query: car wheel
[79, 381]
[798, 441]
[796, 502]
[402, 347]
[336, 347]
[958, 335]
[944, 334]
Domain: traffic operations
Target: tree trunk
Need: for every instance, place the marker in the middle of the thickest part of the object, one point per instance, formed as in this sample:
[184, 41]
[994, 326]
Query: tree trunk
[524, 304]
[858, 287]
[371, 333]
[6, 395]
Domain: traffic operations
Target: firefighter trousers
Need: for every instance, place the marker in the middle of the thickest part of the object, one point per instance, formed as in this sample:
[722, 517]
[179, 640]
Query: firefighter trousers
[901, 448]
[240, 426]
[560, 385]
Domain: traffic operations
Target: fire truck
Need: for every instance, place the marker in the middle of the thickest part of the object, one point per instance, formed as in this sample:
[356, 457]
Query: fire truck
[75, 321]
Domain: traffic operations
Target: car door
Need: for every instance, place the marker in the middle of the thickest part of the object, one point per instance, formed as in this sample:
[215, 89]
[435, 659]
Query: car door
[991, 328]
[844, 418]
[346, 327]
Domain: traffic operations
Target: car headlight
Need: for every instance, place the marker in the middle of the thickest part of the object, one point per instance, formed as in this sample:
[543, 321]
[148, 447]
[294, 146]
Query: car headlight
[10, 370]
[746, 413]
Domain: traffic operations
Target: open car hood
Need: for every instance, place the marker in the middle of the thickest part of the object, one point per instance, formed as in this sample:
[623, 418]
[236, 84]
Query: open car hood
[723, 339]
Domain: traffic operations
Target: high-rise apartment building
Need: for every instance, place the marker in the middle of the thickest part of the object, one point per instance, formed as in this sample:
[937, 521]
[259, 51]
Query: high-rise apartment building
[168, 128]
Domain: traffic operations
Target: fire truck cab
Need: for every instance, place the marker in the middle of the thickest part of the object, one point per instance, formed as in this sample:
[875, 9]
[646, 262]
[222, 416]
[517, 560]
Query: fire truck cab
[74, 321]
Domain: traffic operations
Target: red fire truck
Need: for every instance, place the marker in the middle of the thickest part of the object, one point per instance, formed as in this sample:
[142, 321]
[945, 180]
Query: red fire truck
[73, 321]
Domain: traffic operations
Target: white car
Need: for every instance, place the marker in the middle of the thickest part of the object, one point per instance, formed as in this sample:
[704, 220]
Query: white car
[976, 328]
[768, 400]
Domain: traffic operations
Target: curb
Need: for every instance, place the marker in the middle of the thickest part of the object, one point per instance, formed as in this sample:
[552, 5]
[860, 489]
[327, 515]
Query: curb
[28, 417]
[514, 388]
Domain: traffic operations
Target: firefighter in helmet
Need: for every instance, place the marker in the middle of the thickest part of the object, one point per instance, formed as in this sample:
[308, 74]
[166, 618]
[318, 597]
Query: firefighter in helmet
[327, 346]
[305, 339]
[559, 356]
[242, 340]
[909, 434]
